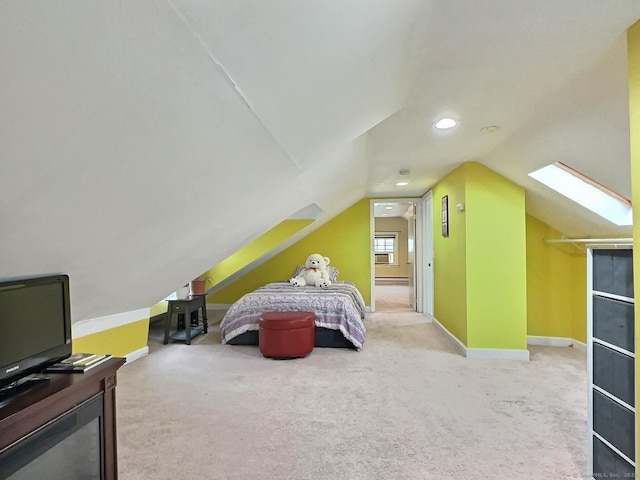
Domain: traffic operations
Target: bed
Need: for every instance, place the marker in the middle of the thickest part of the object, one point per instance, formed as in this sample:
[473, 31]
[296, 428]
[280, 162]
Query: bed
[339, 311]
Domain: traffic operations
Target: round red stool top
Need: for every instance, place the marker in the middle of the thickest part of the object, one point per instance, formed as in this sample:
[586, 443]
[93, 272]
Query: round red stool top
[286, 320]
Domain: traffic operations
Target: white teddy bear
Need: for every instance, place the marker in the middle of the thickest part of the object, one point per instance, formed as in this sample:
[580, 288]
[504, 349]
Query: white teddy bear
[314, 273]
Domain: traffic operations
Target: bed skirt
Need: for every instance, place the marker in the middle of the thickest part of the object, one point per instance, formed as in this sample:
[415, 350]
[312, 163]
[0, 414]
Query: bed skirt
[324, 337]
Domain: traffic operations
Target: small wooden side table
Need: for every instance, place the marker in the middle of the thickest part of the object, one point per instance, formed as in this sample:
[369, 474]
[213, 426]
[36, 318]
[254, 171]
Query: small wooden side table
[185, 305]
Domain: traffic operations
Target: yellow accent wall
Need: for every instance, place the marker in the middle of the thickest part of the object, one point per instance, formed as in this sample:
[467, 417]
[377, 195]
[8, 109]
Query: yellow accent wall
[255, 249]
[579, 275]
[245, 255]
[556, 285]
[496, 260]
[633, 52]
[449, 257]
[159, 308]
[118, 341]
[480, 281]
[345, 239]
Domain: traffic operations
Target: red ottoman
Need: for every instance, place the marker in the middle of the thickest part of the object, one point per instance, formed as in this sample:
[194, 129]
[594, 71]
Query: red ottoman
[286, 334]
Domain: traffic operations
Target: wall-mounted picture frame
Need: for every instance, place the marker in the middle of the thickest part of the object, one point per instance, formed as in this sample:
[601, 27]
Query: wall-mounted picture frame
[445, 215]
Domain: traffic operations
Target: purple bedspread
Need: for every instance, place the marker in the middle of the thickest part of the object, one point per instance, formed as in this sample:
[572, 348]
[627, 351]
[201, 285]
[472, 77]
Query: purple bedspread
[338, 307]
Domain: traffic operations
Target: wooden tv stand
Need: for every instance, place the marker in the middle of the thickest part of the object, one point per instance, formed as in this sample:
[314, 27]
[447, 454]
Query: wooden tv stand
[29, 411]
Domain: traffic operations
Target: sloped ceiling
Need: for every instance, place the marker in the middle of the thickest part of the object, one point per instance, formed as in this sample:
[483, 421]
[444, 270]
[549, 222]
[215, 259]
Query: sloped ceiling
[144, 141]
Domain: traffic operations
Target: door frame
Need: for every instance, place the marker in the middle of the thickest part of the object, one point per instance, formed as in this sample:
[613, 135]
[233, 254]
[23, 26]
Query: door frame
[419, 281]
[426, 248]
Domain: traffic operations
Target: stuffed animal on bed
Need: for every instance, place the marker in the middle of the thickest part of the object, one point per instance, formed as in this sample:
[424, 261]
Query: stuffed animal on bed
[315, 272]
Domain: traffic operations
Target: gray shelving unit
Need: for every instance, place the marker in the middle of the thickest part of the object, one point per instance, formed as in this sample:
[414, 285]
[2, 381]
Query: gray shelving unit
[611, 362]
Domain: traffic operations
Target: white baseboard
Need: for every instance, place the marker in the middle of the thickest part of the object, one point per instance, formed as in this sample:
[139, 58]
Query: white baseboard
[556, 342]
[461, 347]
[498, 354]
[484, 353]
[578, 345]
[549, 341]
[135, 355]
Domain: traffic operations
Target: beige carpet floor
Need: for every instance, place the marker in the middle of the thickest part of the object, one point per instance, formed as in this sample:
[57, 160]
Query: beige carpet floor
[407, 406]
[392, 298]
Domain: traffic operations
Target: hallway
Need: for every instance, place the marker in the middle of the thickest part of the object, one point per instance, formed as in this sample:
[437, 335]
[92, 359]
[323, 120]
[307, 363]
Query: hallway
[392, 298]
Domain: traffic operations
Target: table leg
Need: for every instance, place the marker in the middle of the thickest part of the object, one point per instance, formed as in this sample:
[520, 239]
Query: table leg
[205, 322]
[187, 325]
[167, 326]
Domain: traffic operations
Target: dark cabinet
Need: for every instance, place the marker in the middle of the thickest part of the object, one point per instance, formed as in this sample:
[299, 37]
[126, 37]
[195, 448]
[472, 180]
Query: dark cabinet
[63, 428]
[611, 355]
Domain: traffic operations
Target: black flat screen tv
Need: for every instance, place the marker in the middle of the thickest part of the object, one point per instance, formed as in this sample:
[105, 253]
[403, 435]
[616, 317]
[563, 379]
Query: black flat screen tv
[35, 325]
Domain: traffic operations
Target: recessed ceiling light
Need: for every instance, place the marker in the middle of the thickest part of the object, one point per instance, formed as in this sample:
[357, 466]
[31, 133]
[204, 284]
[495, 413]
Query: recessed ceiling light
[445, 123]
[402, 184]
[388, 208]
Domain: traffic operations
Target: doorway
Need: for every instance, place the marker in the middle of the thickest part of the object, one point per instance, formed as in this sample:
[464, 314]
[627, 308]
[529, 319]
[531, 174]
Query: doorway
[393, 255]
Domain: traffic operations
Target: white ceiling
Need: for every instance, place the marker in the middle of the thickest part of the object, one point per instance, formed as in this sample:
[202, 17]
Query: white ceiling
[552, 75]
[144, 140]
[391, 208]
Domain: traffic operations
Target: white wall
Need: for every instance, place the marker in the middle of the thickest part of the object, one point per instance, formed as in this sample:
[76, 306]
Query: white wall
[140, 148]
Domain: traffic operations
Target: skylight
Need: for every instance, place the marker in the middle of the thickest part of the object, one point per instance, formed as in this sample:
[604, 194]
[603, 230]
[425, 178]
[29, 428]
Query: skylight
[586, 192]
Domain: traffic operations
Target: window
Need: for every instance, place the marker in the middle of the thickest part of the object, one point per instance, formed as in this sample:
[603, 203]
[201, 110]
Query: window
[385, 247]
[585, 191]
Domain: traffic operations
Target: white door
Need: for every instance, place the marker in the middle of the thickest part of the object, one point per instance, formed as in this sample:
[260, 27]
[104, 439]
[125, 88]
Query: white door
[411, 254]
[427, 255]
